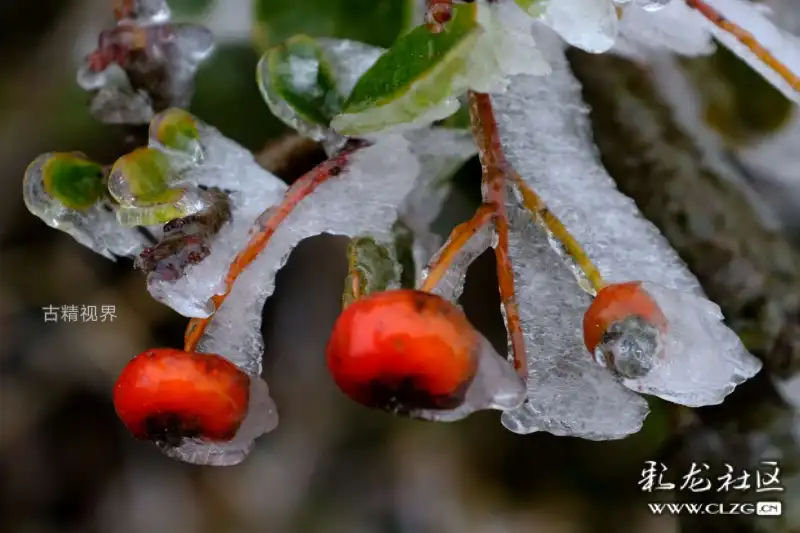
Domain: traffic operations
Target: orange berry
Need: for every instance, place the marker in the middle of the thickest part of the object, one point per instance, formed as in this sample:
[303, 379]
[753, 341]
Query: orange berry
[403, 350]
[167, 395]
[615, 303]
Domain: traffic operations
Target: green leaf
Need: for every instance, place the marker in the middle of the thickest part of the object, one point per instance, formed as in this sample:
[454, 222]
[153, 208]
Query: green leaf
[176, 129]
[413, 77]
[372, 268]
[298, 83]
[190, 8]
[141, 178]
[74, 180]
[376, 22]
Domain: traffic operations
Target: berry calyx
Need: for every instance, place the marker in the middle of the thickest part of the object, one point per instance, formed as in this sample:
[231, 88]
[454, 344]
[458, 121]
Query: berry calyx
[166, 395]
[622, 329]
[402, 351]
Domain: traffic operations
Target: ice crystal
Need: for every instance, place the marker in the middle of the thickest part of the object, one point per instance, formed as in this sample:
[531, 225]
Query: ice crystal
[362, 200]
[227, 166]
[94, 226]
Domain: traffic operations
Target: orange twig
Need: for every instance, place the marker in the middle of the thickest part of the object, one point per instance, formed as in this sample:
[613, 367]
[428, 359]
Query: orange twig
[748, 40]
[458, 238]
[484, 129]
[270, 220]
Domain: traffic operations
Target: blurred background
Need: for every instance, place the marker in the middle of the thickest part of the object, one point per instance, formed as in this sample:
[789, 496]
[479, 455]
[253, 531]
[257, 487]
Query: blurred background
[68, 465]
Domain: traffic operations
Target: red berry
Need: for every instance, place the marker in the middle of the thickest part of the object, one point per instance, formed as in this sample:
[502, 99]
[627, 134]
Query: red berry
[167, 395]
[403, 350]
[614, 303]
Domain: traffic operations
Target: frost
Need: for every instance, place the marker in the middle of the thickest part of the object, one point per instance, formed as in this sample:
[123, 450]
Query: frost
[559, 161]
[675, 28]
[783, 46]
[95, 227]
[262, 417]
[568, 393]
[251, 189]
[363, 199]
[700, 361]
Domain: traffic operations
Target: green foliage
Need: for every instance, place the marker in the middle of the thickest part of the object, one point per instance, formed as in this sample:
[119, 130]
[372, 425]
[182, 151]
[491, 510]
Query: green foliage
[376, 22]
[75, 181]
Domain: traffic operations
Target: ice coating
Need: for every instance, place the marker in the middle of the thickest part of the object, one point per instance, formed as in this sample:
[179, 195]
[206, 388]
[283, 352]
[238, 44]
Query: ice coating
[140, 69]
[699, 361]
[544, 129]
[441, 153]
[652, 5]
[784, 46]
[95, 227]
[363, 199]
[451, 285]
[568, 393]
[262, 417]
[228, 166]
[496, 385]
[348, 61]
[675, 28]
[587, 24]
[143, 12]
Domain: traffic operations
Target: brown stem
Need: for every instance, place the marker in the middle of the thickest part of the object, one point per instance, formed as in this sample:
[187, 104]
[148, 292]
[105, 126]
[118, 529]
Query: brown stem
[458, 238]
[484, 129]
[270, 220]
[748, 40]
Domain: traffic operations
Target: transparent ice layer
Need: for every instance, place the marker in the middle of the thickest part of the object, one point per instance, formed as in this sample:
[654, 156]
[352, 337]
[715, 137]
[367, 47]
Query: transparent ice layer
[496, 385]
[95, 227]
[144, 12]
[675, 28]
[700, 361]
[441, 153]
[262, 417]
[362, 200]
[568, 393]
[348, 61]
[251, 189]
[544, 128]
[587, 24]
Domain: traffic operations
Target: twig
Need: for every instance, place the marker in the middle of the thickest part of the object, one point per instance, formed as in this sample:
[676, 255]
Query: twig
[747, 39]
[458, 238]
[484, 128]
[270, 220]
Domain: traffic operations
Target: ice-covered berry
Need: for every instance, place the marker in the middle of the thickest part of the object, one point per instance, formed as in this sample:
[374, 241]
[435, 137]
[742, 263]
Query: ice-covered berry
[403, 351]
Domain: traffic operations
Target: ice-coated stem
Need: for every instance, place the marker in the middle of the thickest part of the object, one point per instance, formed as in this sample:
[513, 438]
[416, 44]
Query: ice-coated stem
[487, 138]
[269, 222]
[747, 39]
[482, 109]
[460, 235]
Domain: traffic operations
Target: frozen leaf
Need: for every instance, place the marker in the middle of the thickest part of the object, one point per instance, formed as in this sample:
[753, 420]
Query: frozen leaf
[360, 197]
[558, 160]
[416, 81]
[136, 65]
[568, 393]
[285, 74]
[209, 160]
[299, 85]
[673, 29]
[747, 31]
[66, 191]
